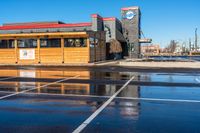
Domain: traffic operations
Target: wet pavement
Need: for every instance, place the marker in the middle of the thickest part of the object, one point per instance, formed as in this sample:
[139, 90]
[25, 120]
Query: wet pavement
[155, 101]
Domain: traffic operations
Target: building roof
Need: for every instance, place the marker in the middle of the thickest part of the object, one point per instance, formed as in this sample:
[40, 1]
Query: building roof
[33, 23]
[39, 25]
[105, 19]
[3, 36]
[52, 24]
[130, 8]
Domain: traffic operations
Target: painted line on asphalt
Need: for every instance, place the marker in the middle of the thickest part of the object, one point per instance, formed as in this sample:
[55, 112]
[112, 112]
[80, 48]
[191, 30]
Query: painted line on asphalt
[14, 94]
[2, 79]
[161, 100]
[107, 97]
[123, 98]
[99, 110]
[198, 80]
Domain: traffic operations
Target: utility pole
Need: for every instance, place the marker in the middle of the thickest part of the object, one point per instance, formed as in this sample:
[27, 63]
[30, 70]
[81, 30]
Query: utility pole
[190, 45]
[196, 45]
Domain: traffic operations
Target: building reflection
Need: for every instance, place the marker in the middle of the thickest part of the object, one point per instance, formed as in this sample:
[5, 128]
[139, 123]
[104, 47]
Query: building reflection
[128, 108]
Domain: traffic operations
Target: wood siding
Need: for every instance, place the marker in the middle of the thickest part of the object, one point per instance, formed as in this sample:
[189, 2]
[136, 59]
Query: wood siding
[59, 55]
[76, 55]
[7, 56]
[50, 55]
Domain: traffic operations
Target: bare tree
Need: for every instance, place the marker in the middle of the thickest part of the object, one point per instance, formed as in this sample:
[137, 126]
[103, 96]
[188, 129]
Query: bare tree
[172, 46]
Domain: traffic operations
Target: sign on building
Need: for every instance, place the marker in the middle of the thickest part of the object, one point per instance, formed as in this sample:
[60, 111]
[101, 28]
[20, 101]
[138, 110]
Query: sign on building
[27, 54]
[131, 30]
[130, 15]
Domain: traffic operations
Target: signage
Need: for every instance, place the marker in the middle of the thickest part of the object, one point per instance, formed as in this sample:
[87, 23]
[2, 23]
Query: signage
[27, 54]
[130, 15]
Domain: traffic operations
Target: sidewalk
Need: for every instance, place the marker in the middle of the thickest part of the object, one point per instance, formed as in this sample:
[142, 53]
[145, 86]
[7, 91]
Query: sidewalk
[136, 64]
[119, 63]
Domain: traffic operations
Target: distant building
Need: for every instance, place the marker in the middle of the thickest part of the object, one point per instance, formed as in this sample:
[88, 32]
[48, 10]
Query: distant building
[178, 49]
[150, 49]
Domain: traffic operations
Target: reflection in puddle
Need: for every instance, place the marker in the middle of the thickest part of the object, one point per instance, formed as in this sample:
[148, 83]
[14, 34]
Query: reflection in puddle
[169, 77]
[128, 108]
[61, 88]
[87, 74]
[84, 74]
[61, 96]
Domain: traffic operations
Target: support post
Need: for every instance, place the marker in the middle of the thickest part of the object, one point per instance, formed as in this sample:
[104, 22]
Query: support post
[63, 51]
[88, 47]
[16, 51]
[38, 48]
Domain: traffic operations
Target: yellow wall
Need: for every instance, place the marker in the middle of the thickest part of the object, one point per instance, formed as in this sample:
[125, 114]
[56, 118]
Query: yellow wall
[53, 55]
[50, 55]
[7, 56]
[76, 55]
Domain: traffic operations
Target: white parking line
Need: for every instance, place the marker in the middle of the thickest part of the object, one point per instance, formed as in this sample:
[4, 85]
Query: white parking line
[122, 98]
[198, 80]
[10, 95]
[161, 100]
[94, 115]
[7, 78]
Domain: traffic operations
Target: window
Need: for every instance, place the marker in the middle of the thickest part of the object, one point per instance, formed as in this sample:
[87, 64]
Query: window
[92, 42]
[76, 42]
[50, 43]
[7, 44]
[27, 43]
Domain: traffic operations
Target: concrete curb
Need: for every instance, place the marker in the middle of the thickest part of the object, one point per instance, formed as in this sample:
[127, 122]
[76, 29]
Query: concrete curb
[119, 63]
[160, 65]
[101, 63]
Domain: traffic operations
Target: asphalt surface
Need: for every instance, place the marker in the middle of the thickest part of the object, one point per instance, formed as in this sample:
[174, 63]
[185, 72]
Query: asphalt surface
[59, 100]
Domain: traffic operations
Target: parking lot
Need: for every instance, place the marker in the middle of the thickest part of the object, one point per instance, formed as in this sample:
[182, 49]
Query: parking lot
[75, 99]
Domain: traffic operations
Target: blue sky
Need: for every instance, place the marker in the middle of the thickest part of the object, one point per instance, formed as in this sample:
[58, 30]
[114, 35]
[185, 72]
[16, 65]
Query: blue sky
[162, 20]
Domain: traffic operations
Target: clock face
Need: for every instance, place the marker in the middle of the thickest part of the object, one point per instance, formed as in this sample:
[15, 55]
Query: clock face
[130, 15]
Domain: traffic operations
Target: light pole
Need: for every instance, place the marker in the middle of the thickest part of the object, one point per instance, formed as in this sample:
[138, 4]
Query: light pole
[196, 45]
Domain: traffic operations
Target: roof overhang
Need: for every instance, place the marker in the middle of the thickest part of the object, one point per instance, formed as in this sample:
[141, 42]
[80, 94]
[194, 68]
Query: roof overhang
[44, 35]
[145, 40]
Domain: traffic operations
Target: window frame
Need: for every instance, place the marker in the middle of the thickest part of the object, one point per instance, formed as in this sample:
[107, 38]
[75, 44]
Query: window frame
[12, 41]
[83, 41]
[50, 45]
[22, 39]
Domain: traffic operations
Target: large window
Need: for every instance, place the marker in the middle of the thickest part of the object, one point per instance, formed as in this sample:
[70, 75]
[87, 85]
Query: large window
[50, 43]
[27, 43]
[75, 42]
[7, 44]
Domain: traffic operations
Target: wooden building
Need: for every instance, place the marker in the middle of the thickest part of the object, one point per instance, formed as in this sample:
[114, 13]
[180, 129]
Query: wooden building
[52, 47]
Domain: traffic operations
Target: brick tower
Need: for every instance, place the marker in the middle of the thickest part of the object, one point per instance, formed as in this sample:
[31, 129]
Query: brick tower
[131, 29]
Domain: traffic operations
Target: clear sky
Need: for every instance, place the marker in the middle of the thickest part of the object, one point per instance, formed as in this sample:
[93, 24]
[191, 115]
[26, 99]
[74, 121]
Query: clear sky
[162, 20]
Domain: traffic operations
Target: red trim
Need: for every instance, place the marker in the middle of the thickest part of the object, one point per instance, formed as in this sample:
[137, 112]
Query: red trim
[104, 19]
[44, 26]
[129, 8]
[109, 19]
[31, 23]
[96, 16]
